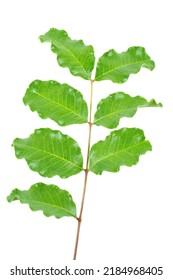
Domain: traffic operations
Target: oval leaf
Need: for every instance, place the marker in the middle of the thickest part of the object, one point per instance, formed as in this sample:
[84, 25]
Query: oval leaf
[59, 102]
[50, 153]
[118, 105]
[50, 199]
[117, 67]
[121, 147]
[73, 54]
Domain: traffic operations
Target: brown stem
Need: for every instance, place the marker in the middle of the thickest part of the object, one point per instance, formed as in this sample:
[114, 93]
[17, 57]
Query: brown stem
[86, 170]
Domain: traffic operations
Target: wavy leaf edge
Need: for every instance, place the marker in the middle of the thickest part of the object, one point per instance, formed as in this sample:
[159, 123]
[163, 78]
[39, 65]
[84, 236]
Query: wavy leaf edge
[16, 194]
[71, 93]
[53, 133]
[130, 112]
[85, 73]
[107, 55]
[109, 136]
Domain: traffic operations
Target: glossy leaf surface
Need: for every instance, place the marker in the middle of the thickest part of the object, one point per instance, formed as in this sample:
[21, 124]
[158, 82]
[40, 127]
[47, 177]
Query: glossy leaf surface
[59, 102]
[48, 198]
[50, 153]
[73, 54]
[118, 105]
[117, 67]
[121, 147]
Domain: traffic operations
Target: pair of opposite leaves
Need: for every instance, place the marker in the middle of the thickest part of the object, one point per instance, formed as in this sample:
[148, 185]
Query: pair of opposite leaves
[50, 152]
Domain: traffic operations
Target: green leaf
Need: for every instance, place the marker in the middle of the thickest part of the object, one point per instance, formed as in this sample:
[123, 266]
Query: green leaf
[50, 153]
[73, 54]
[48, 198]
[121, 147]
[117, 67]
[119, 105]
[59, 102]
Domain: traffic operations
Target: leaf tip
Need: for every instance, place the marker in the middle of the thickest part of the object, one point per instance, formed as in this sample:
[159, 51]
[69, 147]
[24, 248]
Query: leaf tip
[12, 196]
[41, 38]
[153, 103]
[148, 146]
[14, 142]
[150, 65]
[9, 198]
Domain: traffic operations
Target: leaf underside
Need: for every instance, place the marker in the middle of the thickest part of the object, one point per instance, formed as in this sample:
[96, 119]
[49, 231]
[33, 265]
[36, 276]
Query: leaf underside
[50, 153]
[73, 54]
[117, 67]
[118, 105]
[59, 102]
[121, 147]
[50, 199]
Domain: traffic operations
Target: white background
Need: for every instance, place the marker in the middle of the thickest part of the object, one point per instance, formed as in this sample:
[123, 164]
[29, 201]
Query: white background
[127, 218]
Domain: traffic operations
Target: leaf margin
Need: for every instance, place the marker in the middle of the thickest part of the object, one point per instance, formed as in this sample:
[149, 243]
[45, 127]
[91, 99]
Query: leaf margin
[37, 85]
[129, 112]
[17, 194]
[110, 136]
[107, 56]
[45, 38]
[55, 133]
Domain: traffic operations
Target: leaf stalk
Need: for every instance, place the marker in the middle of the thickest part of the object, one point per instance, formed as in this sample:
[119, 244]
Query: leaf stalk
[86, 170]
